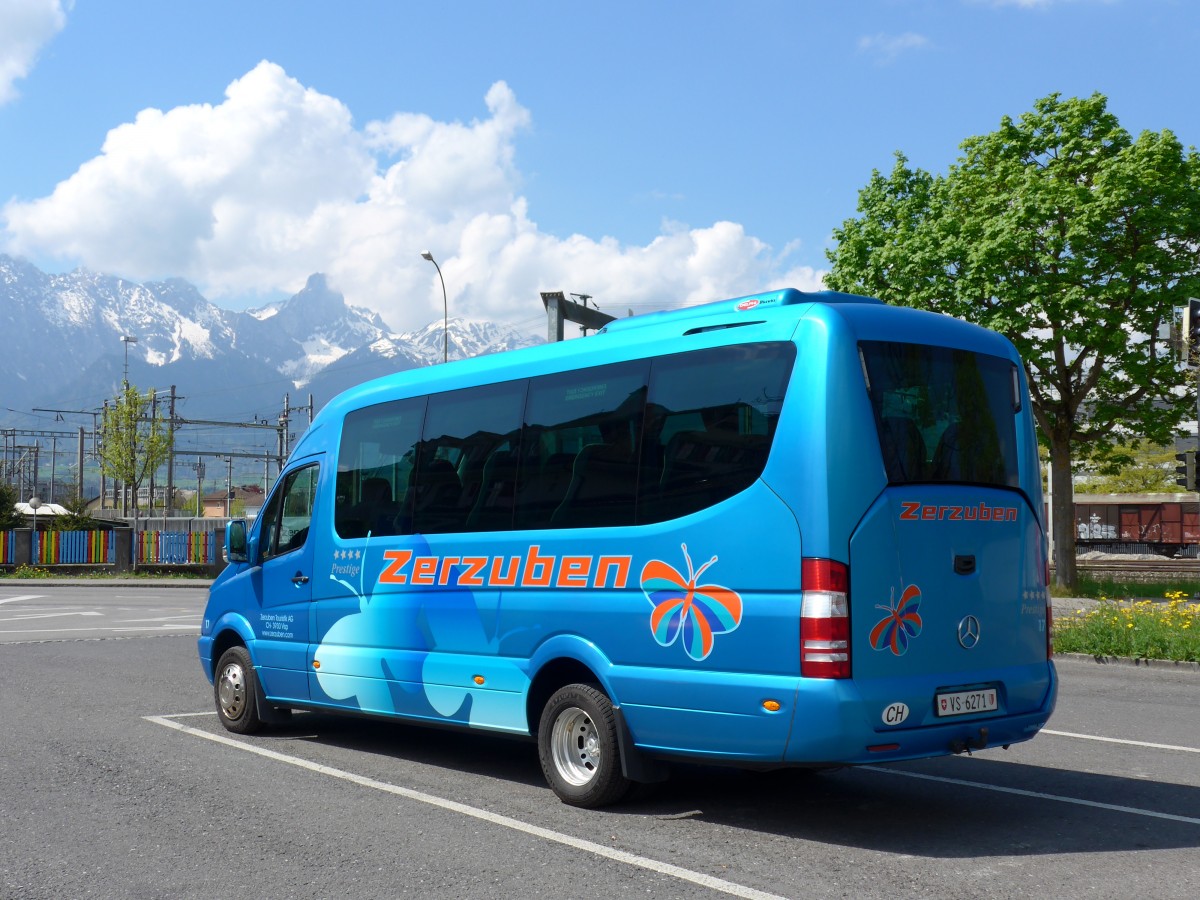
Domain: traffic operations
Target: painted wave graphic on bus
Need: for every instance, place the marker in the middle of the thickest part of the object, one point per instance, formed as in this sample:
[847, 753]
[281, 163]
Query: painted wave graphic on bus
[901, 624]
[683, 610]
[438, 654]
[417, 680]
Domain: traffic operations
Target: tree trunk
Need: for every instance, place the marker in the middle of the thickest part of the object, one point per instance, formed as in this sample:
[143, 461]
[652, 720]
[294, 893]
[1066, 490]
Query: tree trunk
[1063, 490]
[136, 540]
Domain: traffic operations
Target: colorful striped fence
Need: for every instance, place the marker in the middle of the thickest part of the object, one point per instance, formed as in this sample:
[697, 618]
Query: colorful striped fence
[56, 548]
[177, 547]
[67, 548]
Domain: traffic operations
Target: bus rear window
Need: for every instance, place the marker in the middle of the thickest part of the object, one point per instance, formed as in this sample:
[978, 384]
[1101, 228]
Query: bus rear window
[943, 415]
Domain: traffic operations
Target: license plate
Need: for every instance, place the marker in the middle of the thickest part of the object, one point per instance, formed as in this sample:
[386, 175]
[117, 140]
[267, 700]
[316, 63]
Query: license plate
[962, 703]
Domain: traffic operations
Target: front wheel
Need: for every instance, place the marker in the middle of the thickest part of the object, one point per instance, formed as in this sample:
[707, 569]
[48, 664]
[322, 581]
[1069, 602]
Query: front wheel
[577, 746]
[235, 689]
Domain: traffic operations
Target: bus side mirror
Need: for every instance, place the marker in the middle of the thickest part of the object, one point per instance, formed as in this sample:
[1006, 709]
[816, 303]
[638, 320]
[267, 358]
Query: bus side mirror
[235, 541]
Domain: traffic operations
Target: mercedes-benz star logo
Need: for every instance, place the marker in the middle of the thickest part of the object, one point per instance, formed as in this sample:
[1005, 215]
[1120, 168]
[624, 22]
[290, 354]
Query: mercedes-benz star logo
[968, 632]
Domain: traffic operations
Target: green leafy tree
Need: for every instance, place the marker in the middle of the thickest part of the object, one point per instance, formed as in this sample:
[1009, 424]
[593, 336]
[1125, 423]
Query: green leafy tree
[76, 517]
[134, 440]
[1151, 471]
[9, 517]
[1074, 240]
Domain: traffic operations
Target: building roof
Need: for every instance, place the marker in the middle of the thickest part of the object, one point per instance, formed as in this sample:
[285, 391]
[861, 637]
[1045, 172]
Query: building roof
[46, 509]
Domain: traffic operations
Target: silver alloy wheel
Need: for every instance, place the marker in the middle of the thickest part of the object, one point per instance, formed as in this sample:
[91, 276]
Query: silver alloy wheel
[231, 691]
[576, 747]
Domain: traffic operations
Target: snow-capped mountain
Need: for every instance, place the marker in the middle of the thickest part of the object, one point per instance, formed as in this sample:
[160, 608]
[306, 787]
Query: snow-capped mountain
[65, 346]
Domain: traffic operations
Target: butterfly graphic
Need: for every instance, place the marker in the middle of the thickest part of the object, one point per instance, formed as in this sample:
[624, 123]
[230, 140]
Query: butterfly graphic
[903, 622]
[698, 613]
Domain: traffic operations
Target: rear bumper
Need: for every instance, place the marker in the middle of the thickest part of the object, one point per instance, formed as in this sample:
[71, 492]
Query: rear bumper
[822, 722]
[834, 728]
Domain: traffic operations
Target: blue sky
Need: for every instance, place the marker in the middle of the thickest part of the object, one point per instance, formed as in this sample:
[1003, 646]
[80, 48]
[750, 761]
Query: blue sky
[649, 154]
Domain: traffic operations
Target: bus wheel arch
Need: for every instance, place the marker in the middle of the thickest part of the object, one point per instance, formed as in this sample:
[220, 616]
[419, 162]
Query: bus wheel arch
[226, 639]
[555, 674]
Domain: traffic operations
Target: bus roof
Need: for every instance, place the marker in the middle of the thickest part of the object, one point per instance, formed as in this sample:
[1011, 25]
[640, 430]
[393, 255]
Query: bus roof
[755, 304]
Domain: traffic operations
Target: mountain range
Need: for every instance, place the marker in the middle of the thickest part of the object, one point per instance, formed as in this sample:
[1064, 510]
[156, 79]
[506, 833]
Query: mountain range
[66, 349]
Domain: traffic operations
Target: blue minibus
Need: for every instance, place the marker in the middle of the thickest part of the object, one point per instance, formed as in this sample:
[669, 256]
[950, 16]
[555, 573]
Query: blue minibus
[790, 529]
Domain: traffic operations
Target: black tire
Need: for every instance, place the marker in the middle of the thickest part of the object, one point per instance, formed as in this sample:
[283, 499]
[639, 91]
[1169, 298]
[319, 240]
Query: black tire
[235, 690]
[578, 749]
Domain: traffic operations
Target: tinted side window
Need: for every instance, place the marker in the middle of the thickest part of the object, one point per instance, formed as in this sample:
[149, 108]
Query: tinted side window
[470, 437]
[288, 514]
[577, 449]
[710, 418]
[375, 462]
[578, 465]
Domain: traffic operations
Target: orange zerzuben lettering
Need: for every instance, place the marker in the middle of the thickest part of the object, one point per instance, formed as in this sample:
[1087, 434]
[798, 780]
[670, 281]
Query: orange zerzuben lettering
[532, 569]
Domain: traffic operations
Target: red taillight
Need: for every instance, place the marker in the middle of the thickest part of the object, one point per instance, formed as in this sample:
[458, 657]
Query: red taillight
[824, 619]
[824, 575]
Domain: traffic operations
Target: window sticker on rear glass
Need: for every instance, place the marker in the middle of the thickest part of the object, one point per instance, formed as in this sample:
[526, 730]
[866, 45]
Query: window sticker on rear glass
[901, 624]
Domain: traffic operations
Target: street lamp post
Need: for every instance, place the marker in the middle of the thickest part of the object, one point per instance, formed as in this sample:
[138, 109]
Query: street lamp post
[35, 503]
[445, 307]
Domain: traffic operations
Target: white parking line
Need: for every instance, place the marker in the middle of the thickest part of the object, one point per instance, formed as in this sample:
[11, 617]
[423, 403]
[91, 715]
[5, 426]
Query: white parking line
[22, 597]
[698, 878]
[95, 629]
[1108, 740]
[1037, 795]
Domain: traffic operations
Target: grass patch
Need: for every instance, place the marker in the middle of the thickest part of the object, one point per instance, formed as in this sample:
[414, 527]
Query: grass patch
[158, 573]
[1143, 629]
[1099, 589]
[27, 571]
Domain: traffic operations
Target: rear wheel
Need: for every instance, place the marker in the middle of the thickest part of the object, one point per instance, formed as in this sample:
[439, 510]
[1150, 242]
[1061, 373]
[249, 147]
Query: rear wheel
[235, 689]
[577, 746]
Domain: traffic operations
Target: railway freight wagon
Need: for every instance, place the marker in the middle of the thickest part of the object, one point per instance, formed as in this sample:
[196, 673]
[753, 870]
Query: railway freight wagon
[1163, 524]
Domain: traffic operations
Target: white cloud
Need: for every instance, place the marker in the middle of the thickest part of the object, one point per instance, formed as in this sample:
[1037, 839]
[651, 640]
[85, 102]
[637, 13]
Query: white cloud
[886, 48]
[274, 183]
[222, 193]
[25, 27]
